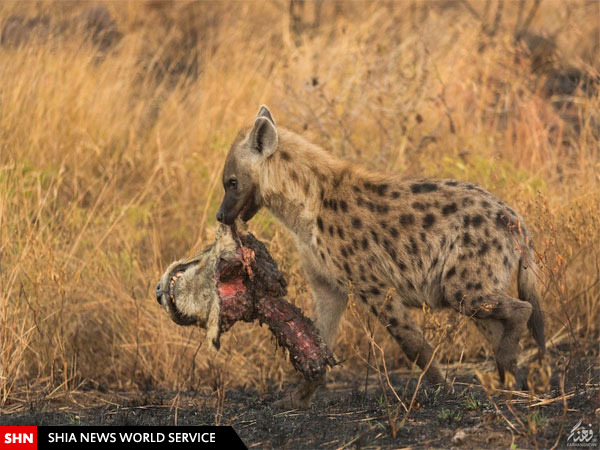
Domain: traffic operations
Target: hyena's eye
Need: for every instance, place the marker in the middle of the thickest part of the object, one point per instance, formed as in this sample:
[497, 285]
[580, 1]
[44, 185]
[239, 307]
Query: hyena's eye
[232, 183]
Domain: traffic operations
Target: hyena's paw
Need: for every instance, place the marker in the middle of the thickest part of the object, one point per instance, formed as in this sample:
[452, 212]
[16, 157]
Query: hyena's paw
[291, 401]
[300, 398]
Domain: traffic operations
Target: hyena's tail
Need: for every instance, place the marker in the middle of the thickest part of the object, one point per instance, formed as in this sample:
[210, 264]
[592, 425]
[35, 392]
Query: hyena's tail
[527, 292]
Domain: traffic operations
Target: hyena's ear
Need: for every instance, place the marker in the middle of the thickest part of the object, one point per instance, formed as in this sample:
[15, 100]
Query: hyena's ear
[264, 112]
[263, 136]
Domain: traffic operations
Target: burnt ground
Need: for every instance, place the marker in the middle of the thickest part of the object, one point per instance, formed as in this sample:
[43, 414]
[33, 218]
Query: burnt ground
[346, 416]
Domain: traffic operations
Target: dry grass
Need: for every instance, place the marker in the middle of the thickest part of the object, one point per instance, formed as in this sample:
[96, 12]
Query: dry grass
[110, 166]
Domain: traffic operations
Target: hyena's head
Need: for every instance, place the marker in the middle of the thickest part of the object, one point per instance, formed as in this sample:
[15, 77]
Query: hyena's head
[241, 172]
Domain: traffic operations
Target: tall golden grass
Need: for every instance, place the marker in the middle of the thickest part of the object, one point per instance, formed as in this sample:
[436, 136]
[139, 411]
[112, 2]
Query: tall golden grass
[110, 162]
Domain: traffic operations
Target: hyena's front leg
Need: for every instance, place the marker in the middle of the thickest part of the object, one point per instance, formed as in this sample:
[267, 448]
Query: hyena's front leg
[329, 306]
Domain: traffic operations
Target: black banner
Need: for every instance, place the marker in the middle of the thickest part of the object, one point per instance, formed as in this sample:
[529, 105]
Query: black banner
[95, 437]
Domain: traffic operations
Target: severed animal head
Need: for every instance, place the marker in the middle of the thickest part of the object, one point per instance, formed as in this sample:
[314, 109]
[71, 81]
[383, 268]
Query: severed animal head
[187, 289]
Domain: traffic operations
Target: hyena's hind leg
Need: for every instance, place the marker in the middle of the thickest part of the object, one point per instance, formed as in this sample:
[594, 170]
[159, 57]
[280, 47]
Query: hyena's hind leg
[502, 319]
[394, 316]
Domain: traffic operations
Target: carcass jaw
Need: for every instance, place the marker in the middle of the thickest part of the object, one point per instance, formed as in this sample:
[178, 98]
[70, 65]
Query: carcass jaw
[172, 284]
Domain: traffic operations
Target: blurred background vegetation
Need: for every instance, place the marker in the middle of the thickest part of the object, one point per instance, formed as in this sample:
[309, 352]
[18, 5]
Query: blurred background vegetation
[115, 118]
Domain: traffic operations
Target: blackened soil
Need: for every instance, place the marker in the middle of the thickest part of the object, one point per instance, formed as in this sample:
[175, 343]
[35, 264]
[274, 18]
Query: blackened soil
[345, 415]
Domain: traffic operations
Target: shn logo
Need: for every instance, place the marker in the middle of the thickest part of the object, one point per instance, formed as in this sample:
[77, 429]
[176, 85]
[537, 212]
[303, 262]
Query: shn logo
[18, 438]
[582, 436]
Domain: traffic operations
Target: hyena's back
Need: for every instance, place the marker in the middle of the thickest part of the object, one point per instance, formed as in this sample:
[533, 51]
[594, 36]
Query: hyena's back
[440, 242]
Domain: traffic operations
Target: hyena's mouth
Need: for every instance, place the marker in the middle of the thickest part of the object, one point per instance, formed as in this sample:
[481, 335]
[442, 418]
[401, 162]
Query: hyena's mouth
[250, 207]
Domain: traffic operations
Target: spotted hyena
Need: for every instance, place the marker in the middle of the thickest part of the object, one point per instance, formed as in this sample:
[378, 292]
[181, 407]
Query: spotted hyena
[393, 242]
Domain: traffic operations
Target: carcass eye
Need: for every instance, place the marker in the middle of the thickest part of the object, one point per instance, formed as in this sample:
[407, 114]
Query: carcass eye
[233, 183]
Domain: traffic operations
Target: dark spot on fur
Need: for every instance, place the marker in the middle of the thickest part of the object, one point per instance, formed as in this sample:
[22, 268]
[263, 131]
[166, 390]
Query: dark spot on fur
[322, 255]
[391, 250]
[393, 322]
[413, 248]
[340, 232]
[423, 237]
[428, 221]
[375, 236]
[356, 222]
[474, 286]
[381, 189]
[420, 206]
[477, 220]
[483, 249]
[463, 274]
[285, 155]
[293, 175]
[344, 206]
[375, 290]
[383, 224]
[407, 219]
[451, 272]
[506, 262]
[365, 243]
[458, 296]
[466, 220]
[395, 194]
[330, 230]
[423, 188]
[497, 244]
[347, 269]
[394, 232]
[467, 201]
[333, 204]
[450, 208]
[320, 223]
[356, 189]
[373, 310]
[466, 239]
[382, 208]
[401, 265]
[451, 183]
[344, 252]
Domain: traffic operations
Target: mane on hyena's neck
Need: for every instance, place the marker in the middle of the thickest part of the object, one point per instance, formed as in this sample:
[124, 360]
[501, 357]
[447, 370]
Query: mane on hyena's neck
[292, 180]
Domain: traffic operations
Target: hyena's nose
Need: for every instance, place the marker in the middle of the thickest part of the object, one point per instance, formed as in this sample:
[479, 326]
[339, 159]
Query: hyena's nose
[158, 293]
[220, 216]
